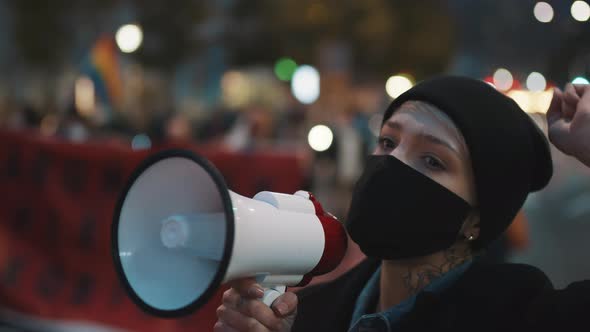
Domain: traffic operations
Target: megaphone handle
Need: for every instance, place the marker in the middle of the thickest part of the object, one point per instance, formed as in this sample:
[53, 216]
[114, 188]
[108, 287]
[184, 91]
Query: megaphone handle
[272, 293]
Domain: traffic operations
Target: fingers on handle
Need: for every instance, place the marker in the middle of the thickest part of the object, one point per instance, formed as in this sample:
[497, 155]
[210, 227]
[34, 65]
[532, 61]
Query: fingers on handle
[262, 313]
[231, 298]
[248, 288]
[221, 327]
[285, 305]
[238, 321]
[272, 318]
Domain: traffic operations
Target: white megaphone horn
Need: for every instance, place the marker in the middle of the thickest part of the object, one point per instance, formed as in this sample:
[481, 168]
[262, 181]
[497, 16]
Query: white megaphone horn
[178, 233]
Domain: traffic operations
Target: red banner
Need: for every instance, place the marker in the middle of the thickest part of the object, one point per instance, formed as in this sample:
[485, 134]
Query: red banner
[56, 207]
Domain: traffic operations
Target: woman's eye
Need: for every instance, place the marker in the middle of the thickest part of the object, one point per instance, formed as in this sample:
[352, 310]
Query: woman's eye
[386, 143]
[434, 164]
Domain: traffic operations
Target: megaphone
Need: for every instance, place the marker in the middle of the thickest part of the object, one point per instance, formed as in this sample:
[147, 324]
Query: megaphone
[178, 233]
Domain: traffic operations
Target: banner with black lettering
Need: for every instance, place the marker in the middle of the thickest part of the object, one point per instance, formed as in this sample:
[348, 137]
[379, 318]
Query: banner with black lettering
[56, 207]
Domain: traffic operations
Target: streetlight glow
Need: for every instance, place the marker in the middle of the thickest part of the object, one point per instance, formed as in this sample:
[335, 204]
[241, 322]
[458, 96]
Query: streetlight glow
[580, 11]
[536, 82]
[320, 138]
[397, 84]
[305, 84]
[503, 79]
[129, 37]
[543, 12]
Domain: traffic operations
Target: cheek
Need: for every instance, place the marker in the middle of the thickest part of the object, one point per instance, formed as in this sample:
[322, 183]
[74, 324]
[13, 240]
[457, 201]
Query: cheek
[458, 179]
[459, 185]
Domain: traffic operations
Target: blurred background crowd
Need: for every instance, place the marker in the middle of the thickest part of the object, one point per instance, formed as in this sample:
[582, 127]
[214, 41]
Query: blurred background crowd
[308, 78]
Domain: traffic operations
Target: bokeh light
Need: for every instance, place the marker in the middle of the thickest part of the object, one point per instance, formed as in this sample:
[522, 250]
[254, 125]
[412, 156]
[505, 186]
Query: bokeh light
[320, 138]
[235, 89]
[285, 68]
[521, 98]
[129, 38]
[84, 96]
[580, 80]
[536, 82]
[532, 102]
[543, 12]
[503, 79]
[305, 84]
[580, 11]
[398, 84]
[141, 142]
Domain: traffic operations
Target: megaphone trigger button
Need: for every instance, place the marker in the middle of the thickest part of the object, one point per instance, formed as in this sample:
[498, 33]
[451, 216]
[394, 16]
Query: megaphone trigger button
[303, 193]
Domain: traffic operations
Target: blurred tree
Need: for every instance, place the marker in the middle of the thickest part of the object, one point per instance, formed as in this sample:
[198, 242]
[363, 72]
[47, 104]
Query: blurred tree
[571, 57]
[39, 31]
[46, 32]
[169, 30]
[385, 36]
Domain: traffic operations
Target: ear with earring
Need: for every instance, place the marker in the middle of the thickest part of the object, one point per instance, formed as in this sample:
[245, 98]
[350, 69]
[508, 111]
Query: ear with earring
[470, 227]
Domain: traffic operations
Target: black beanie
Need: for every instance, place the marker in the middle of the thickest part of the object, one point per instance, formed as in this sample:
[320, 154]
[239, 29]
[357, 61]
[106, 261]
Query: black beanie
[509, 153]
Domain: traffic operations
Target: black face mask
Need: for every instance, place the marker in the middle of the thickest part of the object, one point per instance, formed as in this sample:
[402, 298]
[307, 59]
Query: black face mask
[396, 212]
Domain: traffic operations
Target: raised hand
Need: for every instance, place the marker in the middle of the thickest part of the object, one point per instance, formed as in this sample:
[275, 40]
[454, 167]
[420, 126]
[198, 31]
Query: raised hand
[242, 310]
[568, 121]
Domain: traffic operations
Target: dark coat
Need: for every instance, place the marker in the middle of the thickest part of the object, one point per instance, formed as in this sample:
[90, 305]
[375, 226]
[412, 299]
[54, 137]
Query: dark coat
[487, 297]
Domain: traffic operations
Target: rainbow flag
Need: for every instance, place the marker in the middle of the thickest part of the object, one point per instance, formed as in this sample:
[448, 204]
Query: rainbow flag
[102, 66]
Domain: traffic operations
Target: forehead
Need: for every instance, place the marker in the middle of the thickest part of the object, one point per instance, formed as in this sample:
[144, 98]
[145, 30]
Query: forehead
[422, 118]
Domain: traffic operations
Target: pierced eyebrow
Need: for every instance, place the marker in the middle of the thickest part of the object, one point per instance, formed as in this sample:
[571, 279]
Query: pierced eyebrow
[428, 137]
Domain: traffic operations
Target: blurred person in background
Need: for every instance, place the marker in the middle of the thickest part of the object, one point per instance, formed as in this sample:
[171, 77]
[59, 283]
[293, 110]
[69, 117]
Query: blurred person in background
[469, 157]
[179, 128]
[74, 127]
[21, 116]
[213, 129]
[253, 129]
[515, 239]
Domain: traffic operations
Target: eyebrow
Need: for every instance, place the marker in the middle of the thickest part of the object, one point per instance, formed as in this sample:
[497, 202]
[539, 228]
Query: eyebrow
[428, 137]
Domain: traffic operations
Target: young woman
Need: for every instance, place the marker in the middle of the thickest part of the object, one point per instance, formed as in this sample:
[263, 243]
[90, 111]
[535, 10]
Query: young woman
[455, 162]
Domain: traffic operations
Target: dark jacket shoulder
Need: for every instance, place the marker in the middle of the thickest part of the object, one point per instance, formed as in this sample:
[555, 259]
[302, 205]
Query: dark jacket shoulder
[517, 297]
[491, 297]
[487, 297]
[495, 281]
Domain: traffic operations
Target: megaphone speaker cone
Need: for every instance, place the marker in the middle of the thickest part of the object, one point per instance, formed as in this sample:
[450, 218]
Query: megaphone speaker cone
[173, 233]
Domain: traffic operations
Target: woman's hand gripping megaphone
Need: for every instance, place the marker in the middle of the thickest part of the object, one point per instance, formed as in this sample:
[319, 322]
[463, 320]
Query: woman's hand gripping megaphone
[243, 309]
[247, 306]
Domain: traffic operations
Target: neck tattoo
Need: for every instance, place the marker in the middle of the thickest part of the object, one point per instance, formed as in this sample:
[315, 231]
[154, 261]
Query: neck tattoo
[418, 277]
